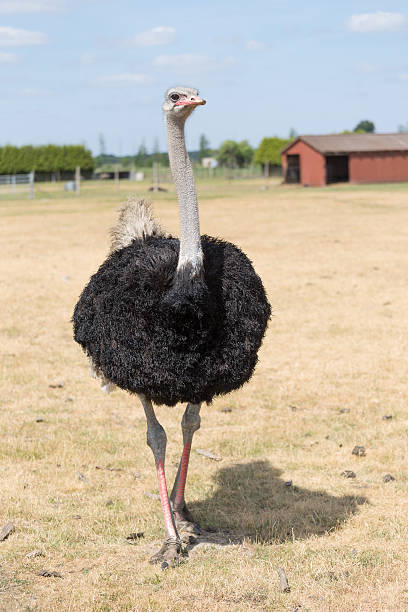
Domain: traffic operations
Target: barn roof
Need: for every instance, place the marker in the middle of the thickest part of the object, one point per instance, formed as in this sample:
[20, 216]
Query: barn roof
[354, 143]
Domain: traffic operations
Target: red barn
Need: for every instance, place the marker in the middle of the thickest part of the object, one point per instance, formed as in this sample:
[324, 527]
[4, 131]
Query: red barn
[354, 158]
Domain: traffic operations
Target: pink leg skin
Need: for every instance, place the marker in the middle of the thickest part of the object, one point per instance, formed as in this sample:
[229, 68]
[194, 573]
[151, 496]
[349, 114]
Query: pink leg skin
[167, 514]
[170, 552]
[184, 521]
[179, 497]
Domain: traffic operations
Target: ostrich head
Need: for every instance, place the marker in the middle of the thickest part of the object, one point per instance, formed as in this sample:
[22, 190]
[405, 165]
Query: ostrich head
[181, 101]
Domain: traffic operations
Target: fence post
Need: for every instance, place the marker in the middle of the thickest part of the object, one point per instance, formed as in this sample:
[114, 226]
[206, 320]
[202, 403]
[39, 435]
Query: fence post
[78, 180]
[13, 182]
[155, 176]
[266, 169]
[31, 178]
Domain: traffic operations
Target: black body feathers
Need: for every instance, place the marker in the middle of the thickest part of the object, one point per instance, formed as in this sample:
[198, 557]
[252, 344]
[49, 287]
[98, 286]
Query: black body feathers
[156, 331]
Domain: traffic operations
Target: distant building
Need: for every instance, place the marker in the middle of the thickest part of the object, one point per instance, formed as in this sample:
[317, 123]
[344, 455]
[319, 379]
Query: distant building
[208, 162]
[354, 158]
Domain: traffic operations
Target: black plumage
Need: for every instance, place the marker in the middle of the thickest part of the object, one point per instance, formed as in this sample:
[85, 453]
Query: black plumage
[167, 334]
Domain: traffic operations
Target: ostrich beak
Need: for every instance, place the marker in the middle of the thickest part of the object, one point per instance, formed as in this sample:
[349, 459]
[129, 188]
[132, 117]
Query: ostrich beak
[193, 101]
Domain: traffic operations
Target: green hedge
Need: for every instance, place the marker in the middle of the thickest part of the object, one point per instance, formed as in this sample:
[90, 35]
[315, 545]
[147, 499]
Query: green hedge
[45, 159]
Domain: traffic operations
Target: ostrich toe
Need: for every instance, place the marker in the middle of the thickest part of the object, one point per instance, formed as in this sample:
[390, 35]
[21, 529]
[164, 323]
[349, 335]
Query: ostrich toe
[169, 555]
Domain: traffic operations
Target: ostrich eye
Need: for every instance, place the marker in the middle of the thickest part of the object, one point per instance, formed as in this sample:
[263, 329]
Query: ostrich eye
[174, 97]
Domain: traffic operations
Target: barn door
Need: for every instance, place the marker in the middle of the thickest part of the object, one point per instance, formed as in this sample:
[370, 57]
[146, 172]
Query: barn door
[292, 169]
[337, 169]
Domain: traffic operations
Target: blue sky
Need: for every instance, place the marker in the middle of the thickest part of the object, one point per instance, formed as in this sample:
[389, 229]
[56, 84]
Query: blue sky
[72, 69]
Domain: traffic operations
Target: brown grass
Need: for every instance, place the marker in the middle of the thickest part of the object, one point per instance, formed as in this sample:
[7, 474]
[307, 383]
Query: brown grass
[333, 364]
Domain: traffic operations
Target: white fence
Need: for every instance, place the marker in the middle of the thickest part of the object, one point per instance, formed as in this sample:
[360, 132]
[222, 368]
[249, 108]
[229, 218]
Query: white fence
[13, 183]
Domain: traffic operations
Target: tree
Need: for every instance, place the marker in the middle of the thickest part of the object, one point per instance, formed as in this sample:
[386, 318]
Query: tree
[156, 149]
[102, 145]
[365, 126]
[141, 155]
[204, 147]
[269, 151]
[403, 129]
[234, 154]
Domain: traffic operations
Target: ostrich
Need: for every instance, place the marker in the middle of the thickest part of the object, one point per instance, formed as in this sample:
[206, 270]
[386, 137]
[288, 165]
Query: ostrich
[172, 320]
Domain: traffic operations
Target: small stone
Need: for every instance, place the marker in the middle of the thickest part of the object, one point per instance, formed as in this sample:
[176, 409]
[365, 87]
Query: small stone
[284, 586]
[293, 408]
[135, 536]
[288, 483]
[359, 451]
[49, 574]
[69, 399]
[39, 419]
[77, 517]
[34, 553]
[57, 385]
[6, 531]
[388, 478]
[344, 410]
[109, 502]
[82, 478]
[387, 417]
[348, 474]
[164, 566]
[152, 495]
[226, 409]
[206, 453]
[135, 473]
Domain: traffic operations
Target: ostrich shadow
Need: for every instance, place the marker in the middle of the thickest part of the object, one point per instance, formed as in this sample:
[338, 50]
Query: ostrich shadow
[251, 502]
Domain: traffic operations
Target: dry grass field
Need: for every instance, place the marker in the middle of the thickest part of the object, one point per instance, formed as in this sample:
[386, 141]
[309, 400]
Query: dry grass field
[77, 476]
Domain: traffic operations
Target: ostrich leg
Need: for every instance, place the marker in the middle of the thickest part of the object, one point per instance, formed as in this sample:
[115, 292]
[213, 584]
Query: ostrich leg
[156, 439]
[189, 424]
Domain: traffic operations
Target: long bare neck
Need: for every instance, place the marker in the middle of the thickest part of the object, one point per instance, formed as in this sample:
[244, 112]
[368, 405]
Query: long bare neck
[191, 253]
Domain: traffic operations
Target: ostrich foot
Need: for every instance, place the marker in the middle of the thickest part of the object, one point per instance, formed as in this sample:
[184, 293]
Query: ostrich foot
[169, 555]
[185, 522]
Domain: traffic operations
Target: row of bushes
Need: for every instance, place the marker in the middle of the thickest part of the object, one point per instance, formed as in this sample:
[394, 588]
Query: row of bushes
[45, 160]
[52, 161]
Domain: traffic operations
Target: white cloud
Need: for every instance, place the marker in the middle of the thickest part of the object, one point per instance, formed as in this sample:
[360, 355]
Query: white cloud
[115, 80]
[182, 61]
[10, 7]
[35, 91]
[162, 35]
[191, 63]
[87, 59]
[367, 68]
[8, 58]
[403, 76]
[12, 37]
[255, 45]
[377, 22]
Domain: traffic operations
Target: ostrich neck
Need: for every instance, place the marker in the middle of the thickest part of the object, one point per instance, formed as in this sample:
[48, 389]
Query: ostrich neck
[190, 242]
